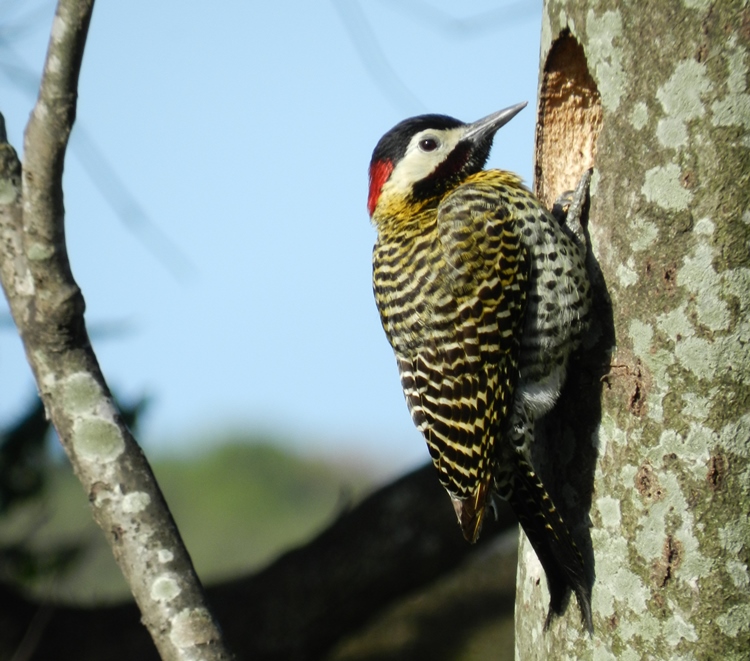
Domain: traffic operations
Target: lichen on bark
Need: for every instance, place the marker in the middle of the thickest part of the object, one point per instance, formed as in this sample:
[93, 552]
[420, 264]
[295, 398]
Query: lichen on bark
[670, 230]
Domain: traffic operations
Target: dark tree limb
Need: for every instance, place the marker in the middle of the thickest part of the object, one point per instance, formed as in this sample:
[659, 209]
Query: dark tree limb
[48, 308]
[401, 538]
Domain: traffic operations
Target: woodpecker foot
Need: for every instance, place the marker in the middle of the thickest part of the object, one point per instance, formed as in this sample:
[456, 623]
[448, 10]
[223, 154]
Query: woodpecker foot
[568, 208]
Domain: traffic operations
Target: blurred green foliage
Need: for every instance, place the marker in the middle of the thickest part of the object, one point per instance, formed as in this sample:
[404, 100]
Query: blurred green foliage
[237, 504]
[24, 462]
[241, 503]
[22, 457]
[26, 470]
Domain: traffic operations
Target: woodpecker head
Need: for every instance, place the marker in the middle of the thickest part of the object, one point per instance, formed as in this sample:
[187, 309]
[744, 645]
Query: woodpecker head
[423, 157]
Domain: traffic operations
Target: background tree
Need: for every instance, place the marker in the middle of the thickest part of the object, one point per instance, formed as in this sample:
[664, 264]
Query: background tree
[47, 307]
[655, 96]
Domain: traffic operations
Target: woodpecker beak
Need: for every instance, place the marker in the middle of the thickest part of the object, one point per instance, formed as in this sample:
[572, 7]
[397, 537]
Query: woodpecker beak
[487, 126]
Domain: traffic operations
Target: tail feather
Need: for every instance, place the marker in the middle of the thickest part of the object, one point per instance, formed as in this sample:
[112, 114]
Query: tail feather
[551, 539]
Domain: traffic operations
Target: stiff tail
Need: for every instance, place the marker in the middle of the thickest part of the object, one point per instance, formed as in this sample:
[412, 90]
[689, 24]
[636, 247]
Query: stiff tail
[549, 535]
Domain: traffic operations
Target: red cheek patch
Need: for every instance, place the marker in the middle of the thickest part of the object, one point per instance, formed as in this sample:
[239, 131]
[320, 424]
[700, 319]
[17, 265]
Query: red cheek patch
[379, 173]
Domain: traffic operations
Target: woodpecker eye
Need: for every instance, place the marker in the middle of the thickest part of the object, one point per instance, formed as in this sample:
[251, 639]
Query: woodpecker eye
[428, 144]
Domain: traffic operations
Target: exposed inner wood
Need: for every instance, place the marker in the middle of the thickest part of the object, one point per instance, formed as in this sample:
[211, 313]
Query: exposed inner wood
[570, 118]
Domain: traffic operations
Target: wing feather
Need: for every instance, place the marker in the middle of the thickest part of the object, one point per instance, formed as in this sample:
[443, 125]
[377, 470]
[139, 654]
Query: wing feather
[459, 380]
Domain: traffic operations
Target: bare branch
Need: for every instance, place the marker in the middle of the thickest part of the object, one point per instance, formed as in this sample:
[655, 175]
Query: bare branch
[48, 308]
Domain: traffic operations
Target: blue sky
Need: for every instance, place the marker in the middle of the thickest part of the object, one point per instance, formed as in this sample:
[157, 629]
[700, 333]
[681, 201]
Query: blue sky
[243, 133]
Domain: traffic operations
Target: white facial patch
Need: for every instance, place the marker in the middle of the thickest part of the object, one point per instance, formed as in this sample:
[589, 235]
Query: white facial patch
[418, 162]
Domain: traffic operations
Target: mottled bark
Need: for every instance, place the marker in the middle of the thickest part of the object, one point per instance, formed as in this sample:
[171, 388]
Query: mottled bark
[670, 228]
[48, 308]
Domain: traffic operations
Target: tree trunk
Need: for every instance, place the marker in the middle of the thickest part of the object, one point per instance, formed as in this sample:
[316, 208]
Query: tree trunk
[655, 96]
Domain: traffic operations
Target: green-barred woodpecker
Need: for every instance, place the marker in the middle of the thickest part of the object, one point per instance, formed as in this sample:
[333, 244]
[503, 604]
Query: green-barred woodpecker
[483, 295]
